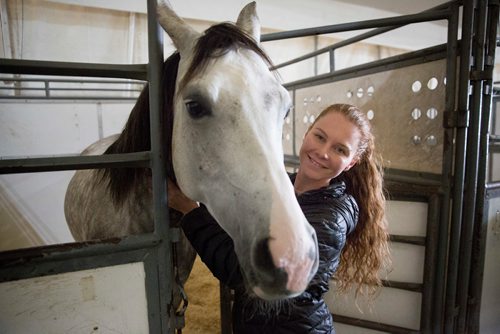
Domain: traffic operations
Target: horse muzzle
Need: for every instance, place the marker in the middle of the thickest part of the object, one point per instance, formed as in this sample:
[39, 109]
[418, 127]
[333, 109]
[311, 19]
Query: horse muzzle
[282, 273]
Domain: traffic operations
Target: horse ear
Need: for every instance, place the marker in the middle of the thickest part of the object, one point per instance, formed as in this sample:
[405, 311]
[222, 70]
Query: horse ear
[249, 21]
[179, 31]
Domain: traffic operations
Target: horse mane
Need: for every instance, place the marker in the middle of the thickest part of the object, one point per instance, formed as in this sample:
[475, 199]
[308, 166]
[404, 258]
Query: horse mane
[135, 137]
[215, 42]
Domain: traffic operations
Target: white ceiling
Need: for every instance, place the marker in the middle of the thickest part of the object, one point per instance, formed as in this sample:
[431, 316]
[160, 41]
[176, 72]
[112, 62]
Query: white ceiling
[298, 14]
[397, 6]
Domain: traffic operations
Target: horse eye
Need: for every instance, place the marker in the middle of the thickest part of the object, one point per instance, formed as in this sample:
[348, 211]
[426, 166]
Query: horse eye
[196, 110]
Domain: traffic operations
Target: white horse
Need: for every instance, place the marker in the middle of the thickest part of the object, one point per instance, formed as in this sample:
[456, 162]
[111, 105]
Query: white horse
[226, 153]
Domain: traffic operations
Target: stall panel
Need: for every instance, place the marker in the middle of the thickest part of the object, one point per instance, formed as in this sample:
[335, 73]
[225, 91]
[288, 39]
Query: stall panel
[102, 300]
[405, 106]
[391, 307]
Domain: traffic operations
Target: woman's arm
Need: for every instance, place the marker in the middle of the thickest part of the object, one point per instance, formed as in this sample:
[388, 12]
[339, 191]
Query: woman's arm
[214, 246]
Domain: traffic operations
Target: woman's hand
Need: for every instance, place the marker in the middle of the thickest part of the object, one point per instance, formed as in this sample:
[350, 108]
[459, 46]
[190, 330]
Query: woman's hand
[178, 201]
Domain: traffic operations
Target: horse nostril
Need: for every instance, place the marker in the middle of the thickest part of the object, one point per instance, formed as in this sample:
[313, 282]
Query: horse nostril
[268, 272]
[262, 257]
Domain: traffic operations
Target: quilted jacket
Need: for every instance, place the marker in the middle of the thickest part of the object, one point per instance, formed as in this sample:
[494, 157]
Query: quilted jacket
[332, 213]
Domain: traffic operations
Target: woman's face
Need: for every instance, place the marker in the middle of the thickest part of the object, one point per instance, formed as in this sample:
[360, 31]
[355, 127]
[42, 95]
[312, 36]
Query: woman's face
[328, 149]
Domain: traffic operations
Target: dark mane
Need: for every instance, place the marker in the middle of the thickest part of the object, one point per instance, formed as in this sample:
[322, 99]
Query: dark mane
[215, 42]
[135, 137]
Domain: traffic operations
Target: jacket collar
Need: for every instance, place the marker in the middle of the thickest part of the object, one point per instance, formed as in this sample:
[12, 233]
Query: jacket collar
[336, 188]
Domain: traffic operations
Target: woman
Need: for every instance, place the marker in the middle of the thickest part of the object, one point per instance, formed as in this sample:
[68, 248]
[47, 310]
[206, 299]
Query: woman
[339, 188]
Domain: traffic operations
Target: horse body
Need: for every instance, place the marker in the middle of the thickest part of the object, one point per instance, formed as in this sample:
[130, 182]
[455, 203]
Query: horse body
[226, 153]
[90, 211]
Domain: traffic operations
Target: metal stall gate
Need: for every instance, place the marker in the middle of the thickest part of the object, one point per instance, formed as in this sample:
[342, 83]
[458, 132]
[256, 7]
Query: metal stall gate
[430, 113]
[485, 268]
[60, 283]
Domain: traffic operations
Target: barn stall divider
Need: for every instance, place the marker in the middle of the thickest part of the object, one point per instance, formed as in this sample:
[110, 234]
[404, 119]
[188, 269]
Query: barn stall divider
[430, 111]
[142, 262]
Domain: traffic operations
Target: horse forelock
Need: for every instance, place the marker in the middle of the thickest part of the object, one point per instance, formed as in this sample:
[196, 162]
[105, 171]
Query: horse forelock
[215, 42]
[136, 137]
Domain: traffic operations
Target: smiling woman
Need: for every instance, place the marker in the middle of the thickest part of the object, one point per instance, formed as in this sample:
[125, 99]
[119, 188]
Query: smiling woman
[339, 147]
[329, 148]
[337, 181]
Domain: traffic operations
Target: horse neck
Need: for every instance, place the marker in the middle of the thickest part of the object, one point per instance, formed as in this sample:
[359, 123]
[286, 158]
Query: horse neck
[136, 136]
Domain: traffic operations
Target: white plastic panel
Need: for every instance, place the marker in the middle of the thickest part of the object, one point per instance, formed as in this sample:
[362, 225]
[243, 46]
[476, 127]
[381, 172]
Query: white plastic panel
[495, 170]
[392, 306]
[346, 329]
[407, 218]
[407, 263]
[103, 300]
[490, 299]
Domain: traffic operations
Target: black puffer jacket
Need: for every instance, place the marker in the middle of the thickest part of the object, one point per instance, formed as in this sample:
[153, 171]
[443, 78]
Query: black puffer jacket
[332, 213]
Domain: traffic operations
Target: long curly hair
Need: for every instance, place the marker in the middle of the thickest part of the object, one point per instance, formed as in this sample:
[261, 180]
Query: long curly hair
[366, 250]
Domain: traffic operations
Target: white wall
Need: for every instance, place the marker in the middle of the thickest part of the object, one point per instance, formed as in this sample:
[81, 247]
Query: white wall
[298, 14]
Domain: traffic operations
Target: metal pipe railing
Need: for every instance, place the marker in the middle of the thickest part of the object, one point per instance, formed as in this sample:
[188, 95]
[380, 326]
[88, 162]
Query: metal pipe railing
[349, 41]
[447, 170]
[47, 86]
[472, 166]
[40, 67]
[15, 165]
[461, 137]
[162, 228]
[469, 313]
[360, 25]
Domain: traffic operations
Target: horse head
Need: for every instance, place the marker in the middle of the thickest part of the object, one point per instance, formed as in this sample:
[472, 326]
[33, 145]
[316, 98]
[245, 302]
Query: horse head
[227, 153]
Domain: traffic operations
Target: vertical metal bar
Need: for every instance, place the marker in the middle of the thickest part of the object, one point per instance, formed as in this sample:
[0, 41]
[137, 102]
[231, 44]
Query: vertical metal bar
[131, 45]
[159, 175]
[100, 125]
[495, 103]
[482, 205]
[459, 168]
[472, 165]
[6, 30]
[430, 263]
[316, 43]
[331, 53]
[447, 169]
[47, 88]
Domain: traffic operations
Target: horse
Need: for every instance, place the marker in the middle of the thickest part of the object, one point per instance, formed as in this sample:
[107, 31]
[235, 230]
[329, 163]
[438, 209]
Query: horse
[225, 111]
